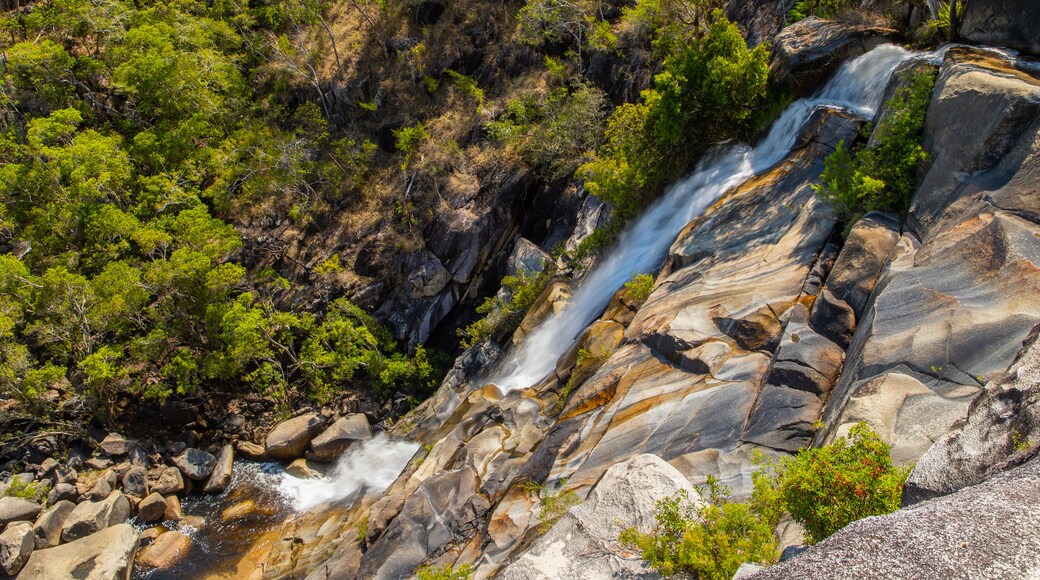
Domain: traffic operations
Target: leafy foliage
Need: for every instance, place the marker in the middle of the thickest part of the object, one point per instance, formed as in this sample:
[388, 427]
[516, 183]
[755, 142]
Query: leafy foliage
[712, 539]
[827, 488]
[552, 505]
[128, 132]
[445, 572]
[821, 8]
[504, 311]
[640, 286]
[706, 92]
[881, 177]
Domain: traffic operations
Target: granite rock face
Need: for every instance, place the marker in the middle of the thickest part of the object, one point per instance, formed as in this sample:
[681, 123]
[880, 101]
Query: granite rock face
[290, 438]
[1012, 23]
[583, 544]
[106, 555]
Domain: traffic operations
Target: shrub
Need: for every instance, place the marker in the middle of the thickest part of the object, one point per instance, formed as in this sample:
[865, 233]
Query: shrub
[552, 504]
[854, 182]
[707, 92]
[445, 572]
[503, 314]
[713, 539]
[826, 488]
[408, 141]
[467, 85]
[640, 286]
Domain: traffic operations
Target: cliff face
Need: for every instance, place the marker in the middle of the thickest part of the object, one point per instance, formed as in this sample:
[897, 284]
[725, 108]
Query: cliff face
[762, 322]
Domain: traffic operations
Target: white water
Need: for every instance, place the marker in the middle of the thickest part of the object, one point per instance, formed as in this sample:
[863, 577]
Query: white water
[858, 86]
[371, 465]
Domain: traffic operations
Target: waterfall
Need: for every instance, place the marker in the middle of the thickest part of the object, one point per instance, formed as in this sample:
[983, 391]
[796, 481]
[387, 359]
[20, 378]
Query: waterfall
[858, 85]
[370, 465]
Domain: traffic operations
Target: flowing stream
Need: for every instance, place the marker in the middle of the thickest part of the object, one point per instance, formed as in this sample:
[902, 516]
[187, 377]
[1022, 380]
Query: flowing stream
[858, 86]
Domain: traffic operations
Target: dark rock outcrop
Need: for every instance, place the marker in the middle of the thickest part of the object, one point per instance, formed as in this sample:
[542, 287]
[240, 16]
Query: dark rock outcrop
[1012, 23]
[807, 53]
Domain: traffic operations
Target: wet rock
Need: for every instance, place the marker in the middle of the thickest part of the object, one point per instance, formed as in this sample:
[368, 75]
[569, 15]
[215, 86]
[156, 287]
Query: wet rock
[135, 482]
[1002, 427]
[221, 476]
[108, 554]
[343, 433]
[808, 52]
[152, 508]
[170, 482]
[115, 445]
[165, 552]
[238, 511]
[289, 439]
[91, 517]
[16, 544]
[150, 534]
[305, 469]
[552, 300]
[173, 508]
[1011, 23]
[991, 530]
[583, 544]
[47, 529]
[16, 509]
[195, 464]
[251, 451]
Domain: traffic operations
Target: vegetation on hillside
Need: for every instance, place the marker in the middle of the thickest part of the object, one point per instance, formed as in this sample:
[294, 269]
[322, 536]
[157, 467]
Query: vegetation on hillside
[823, 488]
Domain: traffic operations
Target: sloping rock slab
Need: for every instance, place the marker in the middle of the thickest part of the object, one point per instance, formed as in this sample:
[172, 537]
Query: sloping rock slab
[106, 555]
[1013, 23]
[991, 530]
[583, 544]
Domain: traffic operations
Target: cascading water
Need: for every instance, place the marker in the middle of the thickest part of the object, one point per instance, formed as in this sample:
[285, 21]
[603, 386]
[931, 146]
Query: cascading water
[857, 86]
[371, 465]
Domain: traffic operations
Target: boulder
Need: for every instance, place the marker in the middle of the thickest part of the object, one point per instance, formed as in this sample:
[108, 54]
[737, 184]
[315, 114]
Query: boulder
[238, 510]
[195, 464]
[91, 517]
[48, 527]
[221, 476]
[583, 544]
[990, 530]
[16, 544]
[115, 445]
[150, 534]
[165, 551]
[1002, 427]
[16, 509]
[305, 469]
[62, 492]
[173, 508]
[526, 257]
[100, 490]
[65, 474]
[152, 508]
[808, 52]
[170, 482]
[106, 555]
[135, 482]
[97, 463]
[1012, 23]
[47, 466]
[251, 451]
[343, 433]
[289, 439]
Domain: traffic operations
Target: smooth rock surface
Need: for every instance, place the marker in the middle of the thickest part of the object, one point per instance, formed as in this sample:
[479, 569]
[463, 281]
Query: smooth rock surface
[195, 464]
[165, 551]
[583, 544]
[106, 555]
[152, 508]
[1011, 23]
[289, 439]
[339, 436]
[170, 481]
[48, 527]
[16, 509]
[220, 478]
[91, 517]
[135, 482]
[16, 544]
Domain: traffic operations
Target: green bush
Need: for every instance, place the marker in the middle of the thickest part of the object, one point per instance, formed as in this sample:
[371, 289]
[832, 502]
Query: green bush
[712, 540]
[640, 286]
[707, 92]
[408, 140]
[503, 315]
[445, 572]
[552, 504]
[821, 8]
[856, 181]
[826, 488]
